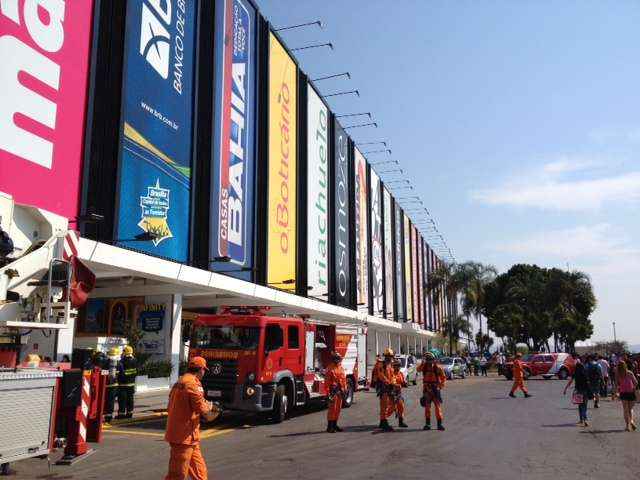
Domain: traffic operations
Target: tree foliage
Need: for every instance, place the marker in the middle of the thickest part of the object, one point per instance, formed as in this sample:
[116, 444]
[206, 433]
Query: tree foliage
[531, 305]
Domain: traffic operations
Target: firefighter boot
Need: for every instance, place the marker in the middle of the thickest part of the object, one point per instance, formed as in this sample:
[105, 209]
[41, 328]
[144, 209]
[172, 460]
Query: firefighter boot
[386, 427]
[427, 426]
[336, 427]
[440, 426]
[401, 423]
[331, 426]
[527, 395]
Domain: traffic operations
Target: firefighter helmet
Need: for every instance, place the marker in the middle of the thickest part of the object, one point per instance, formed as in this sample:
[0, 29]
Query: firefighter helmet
[389, 352]
[336, 357]
[428, 356]
[114, 352]
[127, 350]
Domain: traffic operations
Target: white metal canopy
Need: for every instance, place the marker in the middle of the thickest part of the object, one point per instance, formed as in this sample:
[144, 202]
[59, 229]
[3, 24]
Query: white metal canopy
[122, 272]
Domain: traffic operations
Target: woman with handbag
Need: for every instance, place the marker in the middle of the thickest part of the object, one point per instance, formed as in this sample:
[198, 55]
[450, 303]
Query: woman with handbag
[627, 390]
[582, 392]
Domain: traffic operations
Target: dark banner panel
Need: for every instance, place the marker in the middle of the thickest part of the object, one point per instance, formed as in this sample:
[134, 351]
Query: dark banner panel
[414, 275]
[234, 135]
[377, 279]
[154, 188]
[389, 248]
[398, 240]
[420, 277]
[407, 268]
[341, 220]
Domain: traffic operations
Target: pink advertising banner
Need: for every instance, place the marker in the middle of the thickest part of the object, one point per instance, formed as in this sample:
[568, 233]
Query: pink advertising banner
[44, 47]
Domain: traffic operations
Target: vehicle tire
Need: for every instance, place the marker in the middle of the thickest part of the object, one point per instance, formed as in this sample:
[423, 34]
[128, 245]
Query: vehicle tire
[563, 374]
[350, 394]
[280, 405]
[462, 375]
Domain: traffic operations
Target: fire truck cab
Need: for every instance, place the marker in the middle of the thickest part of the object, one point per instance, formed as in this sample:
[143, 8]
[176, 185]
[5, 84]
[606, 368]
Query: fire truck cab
[263, 364]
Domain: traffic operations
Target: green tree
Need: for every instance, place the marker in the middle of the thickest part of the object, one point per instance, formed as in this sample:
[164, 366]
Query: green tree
[453, 328]
[476, 278]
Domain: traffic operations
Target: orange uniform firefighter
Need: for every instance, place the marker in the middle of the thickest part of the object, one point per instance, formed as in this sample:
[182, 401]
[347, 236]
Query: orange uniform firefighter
[186, 405]
[375, 372]
[398, 400]
[518, 377]
[336, 382]
[386, 384]
[433, 380]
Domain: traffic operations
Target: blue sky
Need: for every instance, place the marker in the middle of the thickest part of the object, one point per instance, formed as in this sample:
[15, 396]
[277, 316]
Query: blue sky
[517, 122]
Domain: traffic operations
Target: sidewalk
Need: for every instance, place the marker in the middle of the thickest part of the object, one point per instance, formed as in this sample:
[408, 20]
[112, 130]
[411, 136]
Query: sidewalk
[147, 405]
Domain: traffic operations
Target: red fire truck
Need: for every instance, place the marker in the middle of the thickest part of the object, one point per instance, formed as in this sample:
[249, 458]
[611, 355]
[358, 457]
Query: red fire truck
[270, 365]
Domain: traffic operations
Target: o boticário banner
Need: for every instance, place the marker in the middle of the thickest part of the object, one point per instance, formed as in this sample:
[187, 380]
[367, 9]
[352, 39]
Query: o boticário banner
[317, 193]
[388, 253]
[400, 284]
[156, 132]
[377, 280]
[342, 220]
[234, 130]
[407, 268]
[282, 195]
[42, 122]
[362, 250]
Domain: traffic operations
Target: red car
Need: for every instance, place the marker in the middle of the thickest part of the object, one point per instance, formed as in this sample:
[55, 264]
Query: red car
[547, 365]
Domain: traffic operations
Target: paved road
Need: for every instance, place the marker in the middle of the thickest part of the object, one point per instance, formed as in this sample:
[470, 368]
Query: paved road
[489, 436]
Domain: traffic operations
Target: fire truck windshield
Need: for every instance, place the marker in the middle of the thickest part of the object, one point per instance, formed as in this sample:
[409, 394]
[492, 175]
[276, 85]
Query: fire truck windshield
[221, 337]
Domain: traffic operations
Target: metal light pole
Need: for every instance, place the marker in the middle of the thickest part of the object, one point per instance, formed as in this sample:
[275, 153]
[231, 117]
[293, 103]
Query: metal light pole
[615, 338]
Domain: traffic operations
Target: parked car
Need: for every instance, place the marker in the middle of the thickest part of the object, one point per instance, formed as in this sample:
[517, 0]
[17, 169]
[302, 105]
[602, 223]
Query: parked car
[547, 365]
[408, 367]
[453, 367]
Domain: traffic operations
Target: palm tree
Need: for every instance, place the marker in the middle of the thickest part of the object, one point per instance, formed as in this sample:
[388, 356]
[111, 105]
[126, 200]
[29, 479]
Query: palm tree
[477, 276]
[454, 327]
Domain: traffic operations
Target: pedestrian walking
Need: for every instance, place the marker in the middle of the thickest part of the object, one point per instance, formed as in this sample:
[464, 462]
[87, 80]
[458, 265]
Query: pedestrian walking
[483, 367]
[386, 382]
[336, 382]
[500, 360]
[627, 387]
[604, 367]
[518, 377]
[581, 393]
[127, 373]
[398, 399]
[595, 377]
[186, 405]
[433, 380]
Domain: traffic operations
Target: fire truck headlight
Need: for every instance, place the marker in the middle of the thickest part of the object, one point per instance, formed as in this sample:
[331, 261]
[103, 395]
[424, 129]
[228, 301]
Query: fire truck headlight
[250, 391]
[251, 377]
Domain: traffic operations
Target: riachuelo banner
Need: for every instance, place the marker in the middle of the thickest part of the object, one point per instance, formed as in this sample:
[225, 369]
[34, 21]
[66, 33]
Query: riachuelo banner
[154, 187]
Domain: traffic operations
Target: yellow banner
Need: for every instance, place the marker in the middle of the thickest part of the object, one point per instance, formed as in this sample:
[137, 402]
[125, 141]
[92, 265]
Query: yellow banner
[281, 260]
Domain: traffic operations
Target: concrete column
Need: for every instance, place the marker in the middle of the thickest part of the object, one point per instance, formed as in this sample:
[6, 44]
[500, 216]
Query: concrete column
[173, 351]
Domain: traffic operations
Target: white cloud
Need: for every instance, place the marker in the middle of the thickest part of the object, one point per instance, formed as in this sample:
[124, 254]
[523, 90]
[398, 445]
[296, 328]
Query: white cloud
[548, 189]
[589, 244]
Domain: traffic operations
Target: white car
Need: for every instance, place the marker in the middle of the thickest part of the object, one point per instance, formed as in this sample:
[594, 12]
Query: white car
[408, 367]
[453, 367]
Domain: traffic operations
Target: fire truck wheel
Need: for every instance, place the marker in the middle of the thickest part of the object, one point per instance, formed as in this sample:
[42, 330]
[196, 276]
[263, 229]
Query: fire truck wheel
[350, 393]
[280, 405]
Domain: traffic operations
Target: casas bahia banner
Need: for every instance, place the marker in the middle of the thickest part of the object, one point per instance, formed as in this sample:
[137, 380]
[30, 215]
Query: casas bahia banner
[234, 129]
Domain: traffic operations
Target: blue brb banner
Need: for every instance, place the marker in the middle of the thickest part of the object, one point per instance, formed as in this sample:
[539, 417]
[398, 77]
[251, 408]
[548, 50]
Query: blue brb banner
[234, 163]
[153, 209]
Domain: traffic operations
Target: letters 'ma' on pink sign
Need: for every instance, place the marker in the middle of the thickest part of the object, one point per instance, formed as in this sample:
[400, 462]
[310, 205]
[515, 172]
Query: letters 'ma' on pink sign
[44, 47]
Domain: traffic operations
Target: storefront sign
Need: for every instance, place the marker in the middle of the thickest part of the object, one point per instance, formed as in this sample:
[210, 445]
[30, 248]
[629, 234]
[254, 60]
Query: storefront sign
[400, 284]
[234, 159]
[407, 268]
[317, 193]
[282, 202]
[388, 254]
[44, 52]
[342, 219]
[156, 133]
[377, 280]
[362, 227]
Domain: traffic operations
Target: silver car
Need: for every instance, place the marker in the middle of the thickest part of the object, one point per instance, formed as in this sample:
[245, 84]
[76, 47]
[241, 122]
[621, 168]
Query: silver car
[453, 367]
[408, 367]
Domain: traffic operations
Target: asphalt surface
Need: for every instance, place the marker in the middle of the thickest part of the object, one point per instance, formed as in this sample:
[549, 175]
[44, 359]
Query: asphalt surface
[488, 436]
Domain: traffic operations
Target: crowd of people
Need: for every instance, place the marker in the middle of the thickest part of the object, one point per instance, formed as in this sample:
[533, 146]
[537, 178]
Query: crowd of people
[597, 377]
